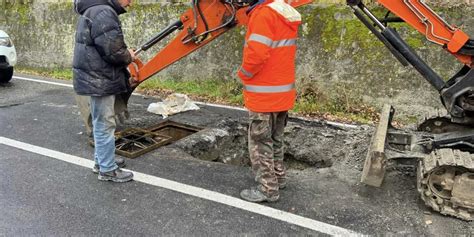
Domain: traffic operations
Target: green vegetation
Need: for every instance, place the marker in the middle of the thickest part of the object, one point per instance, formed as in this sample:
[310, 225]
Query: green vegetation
[343, 106]
[213, 90]
[339, 28]
[22, 11]
[57, 73]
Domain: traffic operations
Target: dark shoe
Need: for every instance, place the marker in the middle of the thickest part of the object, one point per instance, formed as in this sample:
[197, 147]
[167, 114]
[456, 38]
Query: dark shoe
[119, 161]
[255, 195]
[116, 175]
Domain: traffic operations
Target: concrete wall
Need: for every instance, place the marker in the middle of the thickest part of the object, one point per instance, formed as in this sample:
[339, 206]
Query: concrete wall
[337, 54]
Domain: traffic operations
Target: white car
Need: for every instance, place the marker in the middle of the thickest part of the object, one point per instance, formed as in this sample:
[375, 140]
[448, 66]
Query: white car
[7, 57]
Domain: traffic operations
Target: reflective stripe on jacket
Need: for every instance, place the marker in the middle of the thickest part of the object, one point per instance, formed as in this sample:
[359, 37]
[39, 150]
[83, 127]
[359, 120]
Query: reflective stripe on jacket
[268, 65]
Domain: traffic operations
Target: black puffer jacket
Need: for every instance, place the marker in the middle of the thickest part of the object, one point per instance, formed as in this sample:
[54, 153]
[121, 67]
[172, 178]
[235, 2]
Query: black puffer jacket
[100, 54]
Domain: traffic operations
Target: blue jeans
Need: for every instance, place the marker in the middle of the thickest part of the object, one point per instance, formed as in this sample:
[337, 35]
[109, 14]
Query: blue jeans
[103, 122]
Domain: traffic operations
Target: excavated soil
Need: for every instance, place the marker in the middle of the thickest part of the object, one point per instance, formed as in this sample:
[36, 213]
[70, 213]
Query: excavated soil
[308, 144]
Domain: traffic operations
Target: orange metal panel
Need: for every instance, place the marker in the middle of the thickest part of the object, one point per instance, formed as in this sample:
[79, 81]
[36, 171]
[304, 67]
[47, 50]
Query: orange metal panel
[213, 10]
[401, 9]
[457, 41]
[423, 19]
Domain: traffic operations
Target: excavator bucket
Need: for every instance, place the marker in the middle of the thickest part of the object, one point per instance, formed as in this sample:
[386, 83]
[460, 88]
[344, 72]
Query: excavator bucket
[375, 162]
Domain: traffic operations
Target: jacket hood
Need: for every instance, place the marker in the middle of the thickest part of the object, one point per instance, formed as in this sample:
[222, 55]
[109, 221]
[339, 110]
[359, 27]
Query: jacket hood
[80, 6]
[285, 12]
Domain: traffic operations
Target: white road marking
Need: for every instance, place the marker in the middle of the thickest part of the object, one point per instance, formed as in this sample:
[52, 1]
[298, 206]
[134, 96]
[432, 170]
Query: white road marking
[194, 191]
[221, 106]
[350, 126]
[43, 81]
[50, 82]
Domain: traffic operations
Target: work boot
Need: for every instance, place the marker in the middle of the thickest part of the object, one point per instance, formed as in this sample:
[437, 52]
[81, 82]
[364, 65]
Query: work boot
[117, 175]
[255, 195]
[119, 161]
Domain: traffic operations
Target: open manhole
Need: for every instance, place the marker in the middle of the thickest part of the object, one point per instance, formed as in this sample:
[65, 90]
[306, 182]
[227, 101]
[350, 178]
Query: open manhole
[133, 142]
[174, 130]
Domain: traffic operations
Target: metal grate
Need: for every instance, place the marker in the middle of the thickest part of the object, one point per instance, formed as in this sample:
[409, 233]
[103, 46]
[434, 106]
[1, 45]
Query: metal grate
[133, 142]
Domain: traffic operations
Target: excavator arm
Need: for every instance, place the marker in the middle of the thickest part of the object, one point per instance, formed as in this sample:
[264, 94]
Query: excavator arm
[456, 93]
[421, 17]
[444, 146]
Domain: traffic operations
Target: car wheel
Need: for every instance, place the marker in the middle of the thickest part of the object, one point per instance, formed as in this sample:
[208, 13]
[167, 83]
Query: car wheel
[6, 75]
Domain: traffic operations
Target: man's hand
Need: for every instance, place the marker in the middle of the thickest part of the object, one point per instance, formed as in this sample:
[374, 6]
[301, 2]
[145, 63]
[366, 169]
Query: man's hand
[132, 81]
[132, 53]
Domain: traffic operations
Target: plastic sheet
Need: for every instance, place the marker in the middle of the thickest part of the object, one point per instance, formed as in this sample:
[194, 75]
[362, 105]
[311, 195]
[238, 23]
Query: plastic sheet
[173, 104]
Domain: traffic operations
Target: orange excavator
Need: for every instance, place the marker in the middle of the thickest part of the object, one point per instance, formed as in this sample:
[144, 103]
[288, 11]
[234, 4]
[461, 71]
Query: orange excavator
[443, 145]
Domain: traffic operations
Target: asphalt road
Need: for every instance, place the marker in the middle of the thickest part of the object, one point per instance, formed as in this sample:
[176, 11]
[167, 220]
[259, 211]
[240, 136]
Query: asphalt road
[47, 188]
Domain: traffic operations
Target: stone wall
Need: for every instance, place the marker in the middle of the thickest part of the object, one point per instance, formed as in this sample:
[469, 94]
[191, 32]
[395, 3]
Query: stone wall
[337, 54]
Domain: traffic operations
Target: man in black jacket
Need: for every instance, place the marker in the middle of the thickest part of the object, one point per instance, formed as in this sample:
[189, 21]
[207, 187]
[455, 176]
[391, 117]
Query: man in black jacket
[100, 71]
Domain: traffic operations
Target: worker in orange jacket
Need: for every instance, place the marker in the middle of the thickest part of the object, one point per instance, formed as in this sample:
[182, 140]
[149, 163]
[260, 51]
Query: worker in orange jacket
[268, 76]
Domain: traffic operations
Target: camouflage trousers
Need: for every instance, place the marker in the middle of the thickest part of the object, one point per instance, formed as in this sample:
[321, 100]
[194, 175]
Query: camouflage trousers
[266, 149]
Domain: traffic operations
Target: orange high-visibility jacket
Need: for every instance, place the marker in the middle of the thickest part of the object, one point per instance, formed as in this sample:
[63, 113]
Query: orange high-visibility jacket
[268, 65]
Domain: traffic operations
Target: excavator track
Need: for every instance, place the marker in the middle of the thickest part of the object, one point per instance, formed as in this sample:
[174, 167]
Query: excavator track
[445, 181]
[439, 122]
